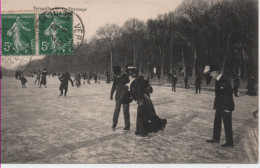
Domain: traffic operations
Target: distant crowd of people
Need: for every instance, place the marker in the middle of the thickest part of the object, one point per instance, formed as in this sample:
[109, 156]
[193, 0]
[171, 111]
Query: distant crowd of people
[41, 76]
[83, 78]
[251, 83]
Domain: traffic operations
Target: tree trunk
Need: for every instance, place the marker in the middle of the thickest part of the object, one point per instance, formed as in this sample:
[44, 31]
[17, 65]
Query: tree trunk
[160, 55]
[244, 58]
[171, 66]
[111, 59]
[125, 60]
[134, 56]
[254, 56]
[140, 66]
[194, 63]
[184, 67]
[162, 66]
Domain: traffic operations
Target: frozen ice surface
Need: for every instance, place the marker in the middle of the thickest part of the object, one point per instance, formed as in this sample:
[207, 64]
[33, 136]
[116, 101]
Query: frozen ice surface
[37, 126]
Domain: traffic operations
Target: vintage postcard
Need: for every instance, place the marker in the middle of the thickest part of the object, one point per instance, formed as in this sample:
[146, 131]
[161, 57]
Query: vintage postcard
[154, 83]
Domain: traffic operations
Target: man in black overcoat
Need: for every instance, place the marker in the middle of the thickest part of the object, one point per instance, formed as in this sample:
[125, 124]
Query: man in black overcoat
[224, 105]
[120, 79]
[65, 78]
[198, 82]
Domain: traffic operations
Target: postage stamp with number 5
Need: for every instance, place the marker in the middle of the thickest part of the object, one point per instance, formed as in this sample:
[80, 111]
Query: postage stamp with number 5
[18, 34]
[55, 33]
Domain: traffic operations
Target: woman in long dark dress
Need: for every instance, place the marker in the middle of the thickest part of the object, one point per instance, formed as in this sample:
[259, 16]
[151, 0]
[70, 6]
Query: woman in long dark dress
[147, 120]
[65, 78]
[43, 78]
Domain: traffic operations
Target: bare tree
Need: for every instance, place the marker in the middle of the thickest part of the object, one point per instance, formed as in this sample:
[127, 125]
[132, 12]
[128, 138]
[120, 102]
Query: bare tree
[109, 32]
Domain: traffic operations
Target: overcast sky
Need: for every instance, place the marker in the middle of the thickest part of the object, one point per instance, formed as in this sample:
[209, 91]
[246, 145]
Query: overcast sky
[100, 12]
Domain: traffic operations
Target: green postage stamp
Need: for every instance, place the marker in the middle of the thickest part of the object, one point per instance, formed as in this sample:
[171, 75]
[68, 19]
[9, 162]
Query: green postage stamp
[55, 33]
[18, 34]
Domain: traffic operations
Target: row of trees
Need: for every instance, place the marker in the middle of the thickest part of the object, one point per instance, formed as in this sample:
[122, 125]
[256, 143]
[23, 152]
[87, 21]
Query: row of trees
[196, 34]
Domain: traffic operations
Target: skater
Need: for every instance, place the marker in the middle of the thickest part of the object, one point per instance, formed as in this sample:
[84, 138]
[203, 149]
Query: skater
[174, 82]
[108, 78]
[77, 79]
[236, 86]
[224, 105]
[88, 78]
[84, 76]
[168, 77]
[251, 86]
[95, 78]
[198, 82]
[186, 79]
[65, 78]
[159, 75]
[208, 78]
[43, 78]
[119, 81]
[38, 77]
[23, 80]
[18, 74]
[147, 120]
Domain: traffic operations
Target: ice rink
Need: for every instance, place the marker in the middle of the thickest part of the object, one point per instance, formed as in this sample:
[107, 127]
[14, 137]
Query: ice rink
[37, 126]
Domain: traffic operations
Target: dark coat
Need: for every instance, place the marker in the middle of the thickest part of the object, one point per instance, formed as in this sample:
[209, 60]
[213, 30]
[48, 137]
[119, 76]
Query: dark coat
[148, 89]
[224, 95]
[198, 81]
[23, 80]
[186, 79]
[65, 78]
[43, 79]
[95, 77]
[137, 88]
[208, 78]
[236, 82]
[174, 80]
[119, 86]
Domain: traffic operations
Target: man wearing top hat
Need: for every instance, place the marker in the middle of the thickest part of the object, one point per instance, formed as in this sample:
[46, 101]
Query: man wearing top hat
[224, 105]
[119, 81]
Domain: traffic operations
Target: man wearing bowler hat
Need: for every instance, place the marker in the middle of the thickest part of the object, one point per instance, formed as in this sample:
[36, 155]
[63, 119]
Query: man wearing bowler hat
[120, 79]
[224, 105]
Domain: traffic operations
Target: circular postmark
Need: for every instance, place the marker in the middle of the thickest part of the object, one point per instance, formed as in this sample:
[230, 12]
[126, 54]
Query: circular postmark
[60, 32]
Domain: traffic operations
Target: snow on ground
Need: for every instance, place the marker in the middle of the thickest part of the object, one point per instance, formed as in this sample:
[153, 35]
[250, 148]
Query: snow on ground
[39, 127]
